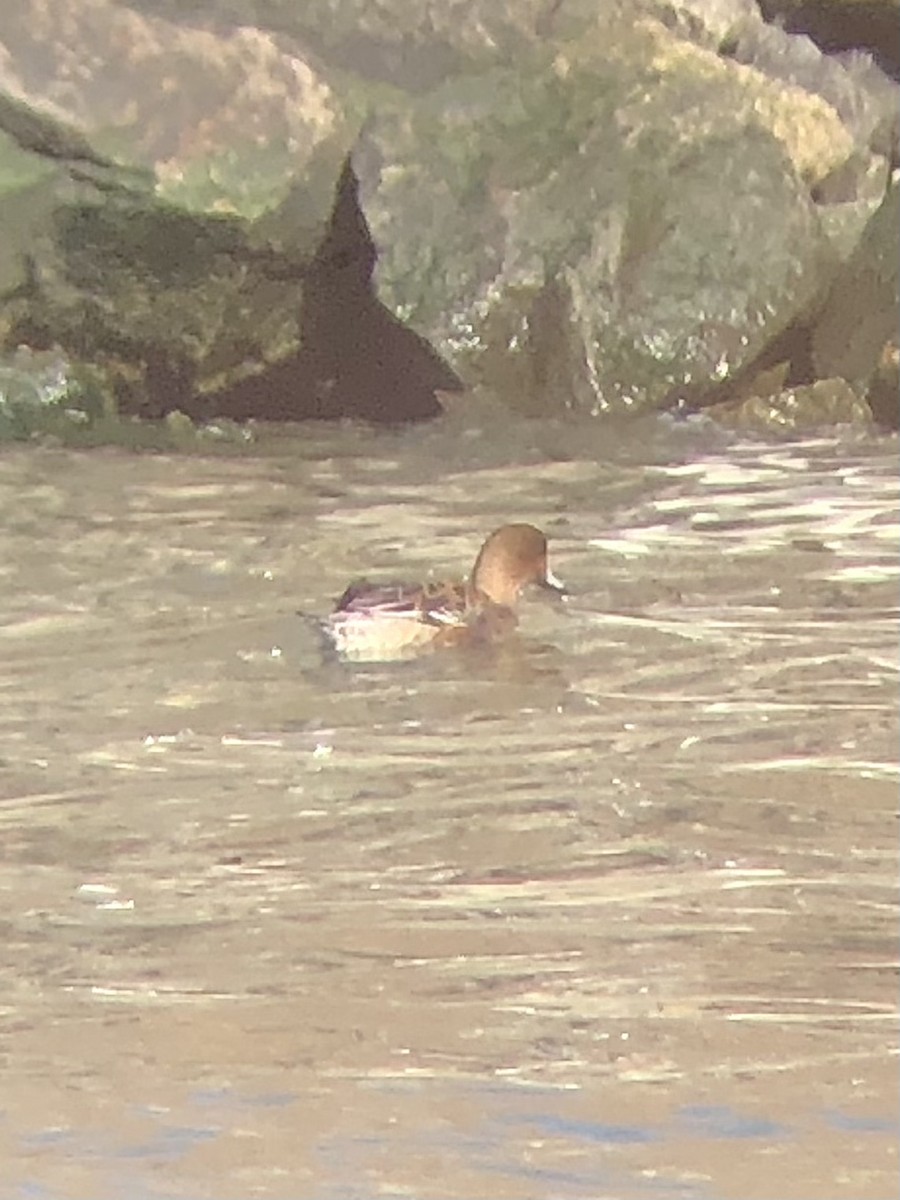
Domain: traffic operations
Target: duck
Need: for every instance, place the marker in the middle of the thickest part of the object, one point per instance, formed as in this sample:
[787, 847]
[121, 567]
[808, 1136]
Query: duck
[382, 622]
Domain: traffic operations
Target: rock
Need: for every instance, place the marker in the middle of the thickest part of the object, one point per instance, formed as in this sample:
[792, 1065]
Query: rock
[627, 224]
[637, 205]
[884, 388]
[166, 227]
[805, 410]
[849, 336]
[861, 312]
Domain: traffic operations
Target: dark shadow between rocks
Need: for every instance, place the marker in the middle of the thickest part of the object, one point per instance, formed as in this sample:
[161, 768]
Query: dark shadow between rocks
[843, 25]
[356, 358]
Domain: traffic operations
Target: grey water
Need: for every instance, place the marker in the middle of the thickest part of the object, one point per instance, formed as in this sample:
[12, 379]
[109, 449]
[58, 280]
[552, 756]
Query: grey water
[610, 913]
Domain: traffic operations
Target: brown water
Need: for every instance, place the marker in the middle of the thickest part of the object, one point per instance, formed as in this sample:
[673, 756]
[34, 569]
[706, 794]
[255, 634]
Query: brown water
[610, 914]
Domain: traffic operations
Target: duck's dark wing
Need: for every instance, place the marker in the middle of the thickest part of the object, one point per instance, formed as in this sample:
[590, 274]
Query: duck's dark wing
[435, 603]
[362, 596]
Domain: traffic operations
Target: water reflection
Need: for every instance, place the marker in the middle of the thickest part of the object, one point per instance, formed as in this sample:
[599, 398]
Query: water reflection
[611, 913]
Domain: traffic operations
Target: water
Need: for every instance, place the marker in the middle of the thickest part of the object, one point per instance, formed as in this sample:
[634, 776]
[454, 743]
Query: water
[611, 913]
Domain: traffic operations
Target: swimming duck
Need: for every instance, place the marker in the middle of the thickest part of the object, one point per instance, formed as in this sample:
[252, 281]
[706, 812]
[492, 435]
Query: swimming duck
[380, 622]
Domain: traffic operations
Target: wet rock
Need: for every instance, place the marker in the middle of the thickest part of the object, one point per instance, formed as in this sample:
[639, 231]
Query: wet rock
[608, 208]
[861, 313]
[884, 388]
[630, 217]
[809, 409]
[173, 230]
[849, 335]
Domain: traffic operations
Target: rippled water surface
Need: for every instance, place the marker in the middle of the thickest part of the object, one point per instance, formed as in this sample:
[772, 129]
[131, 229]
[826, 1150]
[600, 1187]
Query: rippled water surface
[608, 913]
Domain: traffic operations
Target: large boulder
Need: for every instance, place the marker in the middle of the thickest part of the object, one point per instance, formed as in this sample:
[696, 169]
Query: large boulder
[181, 220]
